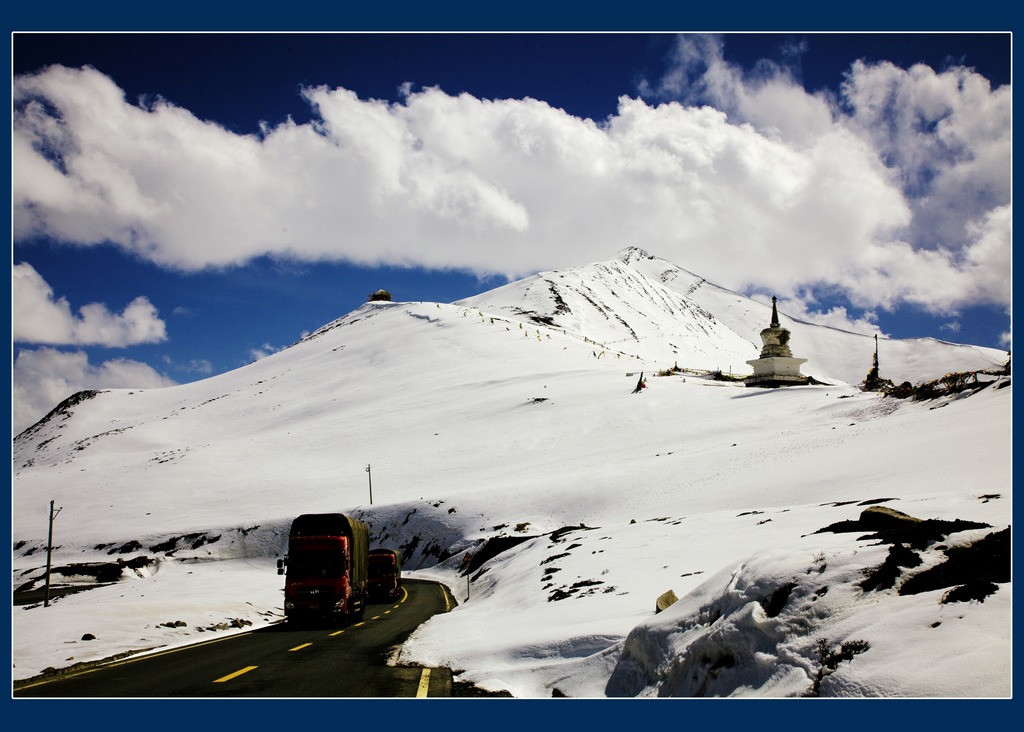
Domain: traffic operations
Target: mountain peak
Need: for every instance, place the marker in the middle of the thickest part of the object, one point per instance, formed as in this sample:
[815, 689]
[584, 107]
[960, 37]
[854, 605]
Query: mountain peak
[633, 254]
[644, 306]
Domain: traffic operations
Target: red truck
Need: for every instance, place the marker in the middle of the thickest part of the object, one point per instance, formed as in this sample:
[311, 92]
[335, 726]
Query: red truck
[326, 568]
[385, 574]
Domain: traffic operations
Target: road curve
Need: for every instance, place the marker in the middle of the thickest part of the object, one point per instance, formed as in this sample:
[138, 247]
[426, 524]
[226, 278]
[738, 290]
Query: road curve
[278, 661]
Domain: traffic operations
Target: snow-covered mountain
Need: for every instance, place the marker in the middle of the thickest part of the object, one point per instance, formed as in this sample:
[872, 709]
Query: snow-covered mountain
[510, 414]
[624, 312]
[645, 306]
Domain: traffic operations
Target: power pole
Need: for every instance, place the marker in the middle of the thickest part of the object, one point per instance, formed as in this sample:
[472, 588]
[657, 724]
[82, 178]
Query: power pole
[49, 553]
[369, 478]
[467, 558]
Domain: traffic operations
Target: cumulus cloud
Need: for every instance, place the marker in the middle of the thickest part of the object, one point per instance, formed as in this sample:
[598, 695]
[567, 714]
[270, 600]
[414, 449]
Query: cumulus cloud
[941, 139]
[44, 377]
[37, 317]
[809, 310]
[897, 190]
[767, 96]
[199, 366]
[947, 136]
[260, 352]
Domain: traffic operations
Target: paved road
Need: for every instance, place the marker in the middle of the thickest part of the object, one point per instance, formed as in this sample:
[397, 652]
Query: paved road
[278, 661]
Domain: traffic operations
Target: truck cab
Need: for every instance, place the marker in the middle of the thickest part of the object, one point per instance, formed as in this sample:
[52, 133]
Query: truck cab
[385, 575]
[325, 569]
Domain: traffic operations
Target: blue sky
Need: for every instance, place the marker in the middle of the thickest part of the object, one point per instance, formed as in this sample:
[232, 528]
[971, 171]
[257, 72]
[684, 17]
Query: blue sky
[187, 203]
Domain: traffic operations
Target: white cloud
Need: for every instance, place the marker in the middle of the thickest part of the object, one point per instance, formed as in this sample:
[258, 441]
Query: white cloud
[37, 317]
[772, 187]
[944, 139]
[988, 253]
[193, 366]
[835, 317]
[255, 354]
[44, 377]
[948, 136]
[767, 97]
[940, 280]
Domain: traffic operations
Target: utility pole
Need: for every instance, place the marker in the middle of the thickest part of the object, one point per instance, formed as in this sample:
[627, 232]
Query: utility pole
[369, 478]
[467, 558]
[49, 553]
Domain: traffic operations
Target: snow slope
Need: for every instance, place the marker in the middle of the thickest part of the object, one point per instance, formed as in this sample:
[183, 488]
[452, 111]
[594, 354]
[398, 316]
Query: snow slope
[831, 353]
[511, 415]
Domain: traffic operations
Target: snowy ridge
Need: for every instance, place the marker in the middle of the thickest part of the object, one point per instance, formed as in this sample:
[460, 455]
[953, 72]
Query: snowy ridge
[831, 353]
[649, 308]
[511, 415]
[624, 312]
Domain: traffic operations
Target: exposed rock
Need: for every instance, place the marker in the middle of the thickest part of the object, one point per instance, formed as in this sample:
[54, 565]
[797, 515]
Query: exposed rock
[893, 527]
[774, 603]
[884, 577]
[882, 517]
[665, 601]
[173, 624]
[974, 569]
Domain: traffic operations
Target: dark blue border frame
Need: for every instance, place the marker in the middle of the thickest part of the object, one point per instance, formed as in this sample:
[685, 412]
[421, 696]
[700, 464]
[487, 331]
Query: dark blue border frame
[830, 715]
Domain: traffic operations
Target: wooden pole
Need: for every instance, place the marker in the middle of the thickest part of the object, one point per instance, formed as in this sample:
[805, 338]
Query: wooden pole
[49, 554]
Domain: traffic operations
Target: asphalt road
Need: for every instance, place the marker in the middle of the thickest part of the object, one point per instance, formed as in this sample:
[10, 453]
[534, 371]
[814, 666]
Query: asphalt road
[278, 661]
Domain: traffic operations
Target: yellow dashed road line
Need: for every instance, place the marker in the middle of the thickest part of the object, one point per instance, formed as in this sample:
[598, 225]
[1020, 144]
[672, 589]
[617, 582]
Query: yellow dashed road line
[424, 678]
[424, 684]
[236, 673]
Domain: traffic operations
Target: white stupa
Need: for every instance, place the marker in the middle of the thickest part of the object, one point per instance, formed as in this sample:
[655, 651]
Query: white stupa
[776, 366]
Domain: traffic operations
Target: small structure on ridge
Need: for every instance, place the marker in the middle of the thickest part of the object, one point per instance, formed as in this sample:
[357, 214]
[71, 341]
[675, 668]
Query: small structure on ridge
[776, 366]
[380, 296]
[873, 381]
